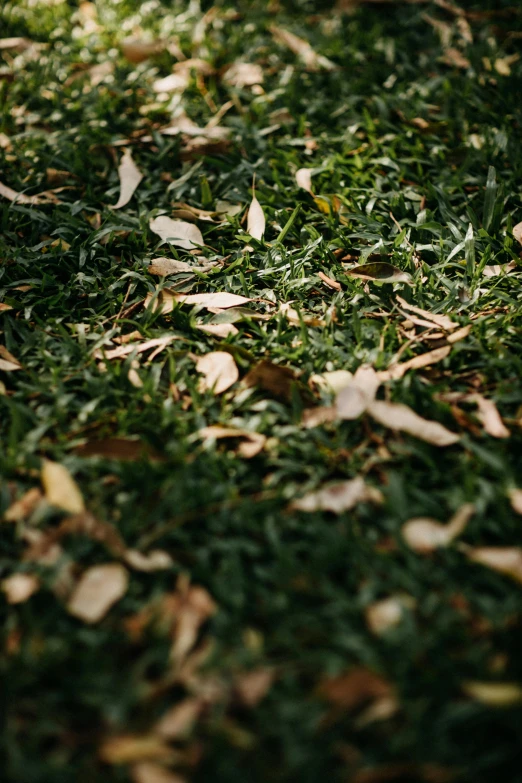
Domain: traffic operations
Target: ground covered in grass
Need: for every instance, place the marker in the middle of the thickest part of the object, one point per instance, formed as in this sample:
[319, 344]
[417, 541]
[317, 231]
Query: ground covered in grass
[273, 534]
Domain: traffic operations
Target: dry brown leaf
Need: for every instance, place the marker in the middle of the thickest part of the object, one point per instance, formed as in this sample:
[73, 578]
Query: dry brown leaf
[178, 721]
[303, 177]
[177, 232]
[339, 497]
[130, 177]
[168, 266]
[300, 47]
[506, 560]
[454, 58]
[251, 687]
[396, 371]
[17, 44]
[502, 65]
[293, 316]
[314, 417]
[190, 606]
[359, 392]
[493, 270]
[125, 350]
[136, 50]
[219, 372]
[517, 232]
[401, 417]
[123, 449]
[167, 300]
[156, 560]
[489, 416]
[256, 220]
[443, 321]
[425, 535]
[174, 82]
[5, 307]
[330, 282]
[21, 198]
[23, 507]
[148, 772]
[515, 497]
[276, 379]
[252, 442]
[18, 588]
[219, 330]
[243, 74]
[129, 748]
[460, 334]
[494, 694]
[60, 488]
[354, 689]
[8, 366]
[332, 381]
[98, 589]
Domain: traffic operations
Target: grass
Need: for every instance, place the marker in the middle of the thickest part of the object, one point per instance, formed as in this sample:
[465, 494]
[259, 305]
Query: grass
[291, 588]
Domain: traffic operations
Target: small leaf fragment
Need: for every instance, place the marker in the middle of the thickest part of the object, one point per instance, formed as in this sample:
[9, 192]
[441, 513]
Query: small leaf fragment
[506, 560]
[18, 588]
[98, 589]
[338, 497]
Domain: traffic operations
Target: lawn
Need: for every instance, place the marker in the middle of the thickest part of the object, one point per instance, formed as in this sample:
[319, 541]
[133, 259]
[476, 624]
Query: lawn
[260, 391]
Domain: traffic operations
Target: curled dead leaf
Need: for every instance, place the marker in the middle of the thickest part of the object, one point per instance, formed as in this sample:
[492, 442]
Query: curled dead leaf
[219, 371]
[379, 271]
[219, 330]
[136, 50]
[396, 371]
[517, 232]
[489, 416]
[400, 417]
[98, 589]
[424, 535]
[355, 689]
[275, 379]
[339, 497]
[60, 488]
[241, 74]
[387, 613]
[506, 560]
[443, 321]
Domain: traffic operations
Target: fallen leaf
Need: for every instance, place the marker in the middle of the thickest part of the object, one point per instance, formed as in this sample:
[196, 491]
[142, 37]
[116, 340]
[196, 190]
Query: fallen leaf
[302, 49]
[253, 442]
[168, 266]
[8, 366]
[148, 772]
[218, 330]
[339, 497]
[494, 694]
[98, 589]
[293, 316]
[359, 392]
[517, 232]
[330, 282]
[18, 588]
[276, 379]
[502, 65]
[515, 497]
[400, 417]
[460, 334]
[129, 748]
[5, 307]
[174, 82]
[387, 613]
[454, 58]
[380, 271]
[123, 449]
[157, 560]
[303, 177]
[443, 321]
[60, 488]
[21, 198]
[492, 270]
[489, 416]
[256, 220]
[136, 50]
[130, 177]
[314, 417]
[125, 350]
[166, 300]
[425, 535]
[251, 687]
[396, 371]
[333, 381]
[190, 607]
[243, 74]
[177, 722]
[177, 232]
[506, 560]
[15, 44]
[219, 372]
[354, 689]
[23, 508]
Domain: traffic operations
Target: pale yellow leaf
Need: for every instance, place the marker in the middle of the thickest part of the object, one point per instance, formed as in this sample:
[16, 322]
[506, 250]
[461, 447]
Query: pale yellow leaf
[303, 177]
[130, 177]
[494, 694]
[219, 371]
[256, 220]
[98, 589]
[492, 270]
[506, 560]
[338, 497]
[18, 588]
[177, 232]
[174, 82]
[60, 488]
[425, 535]
[401, 417]
[333, 381]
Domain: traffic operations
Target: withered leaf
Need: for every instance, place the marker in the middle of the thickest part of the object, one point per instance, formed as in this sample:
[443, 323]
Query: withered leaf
[130, 177]
[354, 689]
[123, 449]
[506, 560]
[18, 588]
[129, 748]
[358, 393]
[219, 371]
[400, 417]
[98, 589]
[191, 606]
[218, 330]
[21, 198]
[148, 772]
[241, 74]
[494, 694]
[443, 321]
[177, 232]
[383, 615]
[396, 371]
[60, 488]
[168, 266]
[251, 442]
[251, 687]
[489, 416]
[156, 560]
[275, 379]
[339, 497]
[179, 720]
[517, 232]
[136, 50]
[303, 178]
[515, 496]
[302, 49]
[424, 535]
[380, 271]
[256, 219]
[24, 506]
[167, 300]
